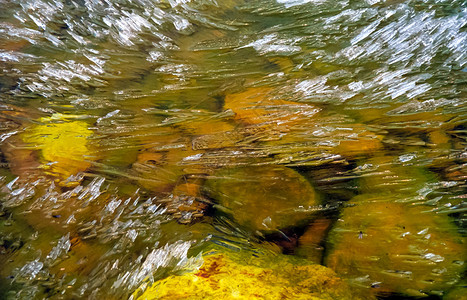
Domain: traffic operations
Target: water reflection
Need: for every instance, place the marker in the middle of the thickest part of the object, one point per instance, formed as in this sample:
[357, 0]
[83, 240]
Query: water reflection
[136, 135]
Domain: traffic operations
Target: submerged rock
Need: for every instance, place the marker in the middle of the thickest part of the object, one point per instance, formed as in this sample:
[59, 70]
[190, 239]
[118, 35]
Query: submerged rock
[396, 247]
[360, 142]
[258, 106]
[223, 278]
[185, 203]
[263, 197]
[154, 173]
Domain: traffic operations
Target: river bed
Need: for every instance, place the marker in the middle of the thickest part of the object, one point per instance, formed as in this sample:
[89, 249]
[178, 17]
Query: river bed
[137, 136]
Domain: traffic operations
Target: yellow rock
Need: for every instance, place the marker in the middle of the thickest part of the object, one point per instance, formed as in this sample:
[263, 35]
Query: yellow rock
[63, 144]
[223, 278]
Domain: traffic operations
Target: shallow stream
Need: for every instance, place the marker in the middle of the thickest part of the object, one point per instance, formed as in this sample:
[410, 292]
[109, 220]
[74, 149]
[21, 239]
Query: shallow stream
[137, 134]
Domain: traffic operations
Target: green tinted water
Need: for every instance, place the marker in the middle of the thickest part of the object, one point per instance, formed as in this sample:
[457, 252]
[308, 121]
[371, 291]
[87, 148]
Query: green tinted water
[136, 134]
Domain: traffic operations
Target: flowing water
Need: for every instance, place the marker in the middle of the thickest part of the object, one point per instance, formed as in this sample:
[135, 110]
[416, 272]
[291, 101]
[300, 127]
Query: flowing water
[136, 134]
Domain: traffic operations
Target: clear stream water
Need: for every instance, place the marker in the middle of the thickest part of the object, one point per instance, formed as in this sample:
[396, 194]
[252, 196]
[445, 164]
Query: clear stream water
[131, 129]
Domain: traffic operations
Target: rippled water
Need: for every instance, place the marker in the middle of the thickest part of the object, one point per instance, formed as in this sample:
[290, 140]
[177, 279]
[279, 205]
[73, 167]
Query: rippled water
[135, 134]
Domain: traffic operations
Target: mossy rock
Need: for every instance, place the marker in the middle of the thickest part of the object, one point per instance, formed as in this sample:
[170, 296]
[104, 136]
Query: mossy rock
[459, 293]
[390, 175]
[263, 197]
[220, 277]
[396, 247]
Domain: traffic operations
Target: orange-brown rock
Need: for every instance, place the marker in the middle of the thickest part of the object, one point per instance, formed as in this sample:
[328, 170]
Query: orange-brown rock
[258, 106]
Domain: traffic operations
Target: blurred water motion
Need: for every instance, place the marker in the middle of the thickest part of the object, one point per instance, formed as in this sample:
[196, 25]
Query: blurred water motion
[122, 121]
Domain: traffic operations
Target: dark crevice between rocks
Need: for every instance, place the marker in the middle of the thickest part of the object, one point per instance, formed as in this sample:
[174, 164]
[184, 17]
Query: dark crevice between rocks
[398, 296]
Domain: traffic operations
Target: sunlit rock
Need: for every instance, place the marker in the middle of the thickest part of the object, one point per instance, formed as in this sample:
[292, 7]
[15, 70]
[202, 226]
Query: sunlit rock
[224, 278]
[258, 106]
[387, 246]
[359, 142]
[263, 197]
[63, 143]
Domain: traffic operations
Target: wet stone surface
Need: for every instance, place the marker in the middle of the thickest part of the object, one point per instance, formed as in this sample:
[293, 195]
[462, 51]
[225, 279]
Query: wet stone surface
[137, 135]
[379, 242]
[263, 198]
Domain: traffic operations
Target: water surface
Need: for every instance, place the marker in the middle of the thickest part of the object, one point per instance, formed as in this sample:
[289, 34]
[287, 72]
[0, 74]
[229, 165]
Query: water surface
[136, 134]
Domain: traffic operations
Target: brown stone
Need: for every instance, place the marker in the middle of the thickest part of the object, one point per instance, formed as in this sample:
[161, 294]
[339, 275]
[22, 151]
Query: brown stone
[263, 197]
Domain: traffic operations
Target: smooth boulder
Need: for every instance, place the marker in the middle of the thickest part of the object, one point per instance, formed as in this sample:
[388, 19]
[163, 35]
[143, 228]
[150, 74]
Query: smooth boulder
[264, 198]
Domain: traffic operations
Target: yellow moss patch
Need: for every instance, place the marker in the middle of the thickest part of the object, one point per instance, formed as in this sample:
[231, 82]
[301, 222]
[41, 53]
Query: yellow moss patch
[63, 144]
[222, 278]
